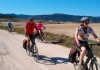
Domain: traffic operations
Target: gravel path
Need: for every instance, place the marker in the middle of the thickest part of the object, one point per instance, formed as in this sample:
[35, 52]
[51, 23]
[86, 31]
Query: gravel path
[14, 57]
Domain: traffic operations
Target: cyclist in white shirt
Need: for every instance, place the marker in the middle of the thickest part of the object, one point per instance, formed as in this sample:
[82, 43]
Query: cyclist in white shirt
[81, 37]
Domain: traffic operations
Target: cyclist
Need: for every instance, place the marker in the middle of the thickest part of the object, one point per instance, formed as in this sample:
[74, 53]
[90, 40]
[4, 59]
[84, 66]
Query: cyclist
[10, 26]
[81, 37]
[29, 30]
[40, 28]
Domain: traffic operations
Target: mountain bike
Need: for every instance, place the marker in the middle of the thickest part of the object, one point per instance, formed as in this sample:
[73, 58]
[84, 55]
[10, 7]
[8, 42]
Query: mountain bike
[42, 36]
[10, 29]
[91, 59]
[32, 49]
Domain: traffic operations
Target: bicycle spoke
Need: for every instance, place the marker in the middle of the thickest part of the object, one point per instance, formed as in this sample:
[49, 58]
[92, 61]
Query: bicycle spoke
[28, 51]
[35, 53]
[93, 67]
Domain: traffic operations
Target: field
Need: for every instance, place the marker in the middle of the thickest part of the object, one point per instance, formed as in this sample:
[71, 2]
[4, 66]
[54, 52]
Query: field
[62, 34]
[67, 29]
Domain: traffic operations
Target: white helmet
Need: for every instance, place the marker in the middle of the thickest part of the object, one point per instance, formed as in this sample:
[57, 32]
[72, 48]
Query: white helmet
[31, 18]
[84, 19]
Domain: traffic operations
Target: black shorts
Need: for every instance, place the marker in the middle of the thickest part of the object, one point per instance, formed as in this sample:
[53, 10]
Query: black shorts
[9, 27]
[32, 36]
[84, 44]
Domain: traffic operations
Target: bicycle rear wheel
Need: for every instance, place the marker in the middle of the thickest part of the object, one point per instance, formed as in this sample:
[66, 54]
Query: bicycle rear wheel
[43, 37]
[93, 66]
[35, 52]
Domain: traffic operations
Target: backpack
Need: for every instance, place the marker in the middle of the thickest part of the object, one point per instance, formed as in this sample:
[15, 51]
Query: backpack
[24, 43]
[72, 55]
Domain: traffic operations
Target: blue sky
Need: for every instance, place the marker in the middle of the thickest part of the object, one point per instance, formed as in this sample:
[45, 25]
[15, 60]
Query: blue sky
[39, 7]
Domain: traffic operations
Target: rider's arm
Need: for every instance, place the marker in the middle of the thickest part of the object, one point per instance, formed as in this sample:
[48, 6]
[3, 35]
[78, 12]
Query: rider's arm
[76, 36]
[12, 25]
[25, 31]
[96, 37]
[44, 27]
[26, 26]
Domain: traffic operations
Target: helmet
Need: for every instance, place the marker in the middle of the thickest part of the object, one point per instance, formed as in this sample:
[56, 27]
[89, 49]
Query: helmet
[84, 19]
[31, 18]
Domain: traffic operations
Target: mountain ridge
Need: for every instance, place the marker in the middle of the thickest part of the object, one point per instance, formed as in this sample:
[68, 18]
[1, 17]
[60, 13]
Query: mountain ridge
[56, 17]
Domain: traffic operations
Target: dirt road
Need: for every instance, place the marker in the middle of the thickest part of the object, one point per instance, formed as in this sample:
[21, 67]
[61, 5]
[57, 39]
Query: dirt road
[14, 57]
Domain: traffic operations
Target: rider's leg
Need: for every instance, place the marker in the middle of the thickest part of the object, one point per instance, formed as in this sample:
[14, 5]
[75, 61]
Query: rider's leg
[83, 52]
[11, 29]
[28, 41]
[8, 28]
[41, 35]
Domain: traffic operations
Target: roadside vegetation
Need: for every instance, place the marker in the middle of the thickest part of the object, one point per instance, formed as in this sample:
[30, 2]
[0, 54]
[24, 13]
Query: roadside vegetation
[66, 41]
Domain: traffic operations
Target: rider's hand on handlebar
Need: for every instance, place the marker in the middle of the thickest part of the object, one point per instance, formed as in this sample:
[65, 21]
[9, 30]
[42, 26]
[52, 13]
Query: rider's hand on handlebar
[25, 35]
[78, 44]
[98, 43]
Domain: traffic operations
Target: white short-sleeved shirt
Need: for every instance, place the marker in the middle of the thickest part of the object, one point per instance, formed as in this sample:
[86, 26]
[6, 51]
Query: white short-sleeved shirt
[83, 34]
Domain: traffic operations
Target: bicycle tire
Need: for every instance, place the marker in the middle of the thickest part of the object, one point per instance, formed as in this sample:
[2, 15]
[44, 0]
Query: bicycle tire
[93, 66]
[28, 51]
[35, 52]
[10, 30]
[44, 36]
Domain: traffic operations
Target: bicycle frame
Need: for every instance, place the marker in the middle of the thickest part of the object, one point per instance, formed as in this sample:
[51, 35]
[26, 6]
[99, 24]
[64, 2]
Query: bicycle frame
[41, 35]
[31, 48]
[9, 29]
[34, 49]
[92, 57]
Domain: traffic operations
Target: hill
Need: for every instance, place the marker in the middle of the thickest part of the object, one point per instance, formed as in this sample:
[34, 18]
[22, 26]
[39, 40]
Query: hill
[7, 16]
[56, 17]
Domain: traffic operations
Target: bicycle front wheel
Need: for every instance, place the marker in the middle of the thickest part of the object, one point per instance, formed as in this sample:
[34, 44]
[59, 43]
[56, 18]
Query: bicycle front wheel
[93, 66]
[28, 50]
[35, 52]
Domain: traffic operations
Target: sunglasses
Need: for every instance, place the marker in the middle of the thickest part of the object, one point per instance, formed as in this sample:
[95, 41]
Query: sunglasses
[86, 23]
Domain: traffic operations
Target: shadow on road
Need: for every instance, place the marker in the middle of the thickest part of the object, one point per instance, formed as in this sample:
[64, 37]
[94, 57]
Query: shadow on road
[51, 61]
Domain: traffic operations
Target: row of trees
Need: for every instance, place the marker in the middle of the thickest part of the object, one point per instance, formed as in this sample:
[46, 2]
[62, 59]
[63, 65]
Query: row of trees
[6, 16]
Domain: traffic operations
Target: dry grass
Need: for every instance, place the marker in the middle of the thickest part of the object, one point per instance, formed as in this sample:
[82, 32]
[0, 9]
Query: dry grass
[69, 29]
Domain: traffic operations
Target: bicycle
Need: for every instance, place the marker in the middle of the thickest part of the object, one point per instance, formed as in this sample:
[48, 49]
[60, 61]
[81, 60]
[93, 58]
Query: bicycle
[10, 29]
[42, 36]
[91, 59]
[32, 49]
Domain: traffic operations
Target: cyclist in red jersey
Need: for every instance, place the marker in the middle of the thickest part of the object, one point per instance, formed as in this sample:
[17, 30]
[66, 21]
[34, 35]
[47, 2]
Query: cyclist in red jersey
[29, 30]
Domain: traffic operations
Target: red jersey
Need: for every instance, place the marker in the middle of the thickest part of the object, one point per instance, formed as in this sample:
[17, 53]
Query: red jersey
[30, 27]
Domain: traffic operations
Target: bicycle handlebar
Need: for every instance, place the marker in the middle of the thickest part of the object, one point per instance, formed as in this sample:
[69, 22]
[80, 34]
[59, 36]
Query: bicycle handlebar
[98, 44]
